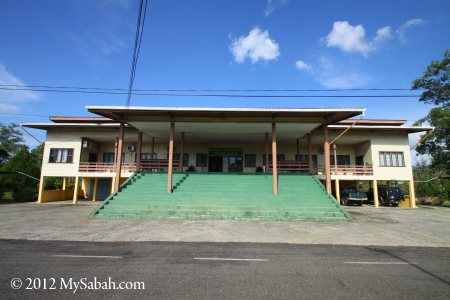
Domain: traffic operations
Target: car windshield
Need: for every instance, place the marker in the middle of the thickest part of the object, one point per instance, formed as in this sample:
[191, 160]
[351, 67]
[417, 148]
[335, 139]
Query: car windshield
[394, 191]
[349, 191]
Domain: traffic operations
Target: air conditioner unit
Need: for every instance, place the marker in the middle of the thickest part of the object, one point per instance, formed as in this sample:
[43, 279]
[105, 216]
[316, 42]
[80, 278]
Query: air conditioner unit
[86, 144]
[131, 148]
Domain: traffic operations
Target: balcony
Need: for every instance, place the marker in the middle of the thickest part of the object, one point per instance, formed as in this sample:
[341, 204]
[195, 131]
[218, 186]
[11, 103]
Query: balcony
[147, 165]
[287, 166]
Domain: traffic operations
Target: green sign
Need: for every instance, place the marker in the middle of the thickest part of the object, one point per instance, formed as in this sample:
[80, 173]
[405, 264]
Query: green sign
[226, 151]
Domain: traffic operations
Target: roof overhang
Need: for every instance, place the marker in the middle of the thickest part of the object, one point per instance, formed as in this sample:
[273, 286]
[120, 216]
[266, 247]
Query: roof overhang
[45, 126]
[410, 129]
[224, 115]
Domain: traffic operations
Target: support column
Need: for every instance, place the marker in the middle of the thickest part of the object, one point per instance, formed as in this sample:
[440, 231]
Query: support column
[75, 191]
[335, 159]
[138, 152]
[412, 194]
[274, 159]
[375, 193]
[182, 152]
[119, 157]
[298, 150]
[310, 157]
[266, 156]
[41, 189]
[326, 148]
[94, 194]
[64, 183]
[153, 145]
[112, 184]
[338, 191]
[170, 167]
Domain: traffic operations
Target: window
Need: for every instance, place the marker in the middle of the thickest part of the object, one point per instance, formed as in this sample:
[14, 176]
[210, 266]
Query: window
[250, 160]
[108, 157]
[201, 160]
[342, 160]
[61, 155]
[392, 159]
[176, 156]
[148, 156]
[280, 157]
[304, 158]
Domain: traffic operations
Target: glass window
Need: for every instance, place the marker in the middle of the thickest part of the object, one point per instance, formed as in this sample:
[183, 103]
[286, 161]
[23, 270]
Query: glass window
[392, 159]
[148, 156]
[201, 160]
[108, 157]
[61, 155]
[280, 157]
[250, 160]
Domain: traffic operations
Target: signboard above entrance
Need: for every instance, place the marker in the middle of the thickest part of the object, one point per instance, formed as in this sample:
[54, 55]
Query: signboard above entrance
[226, 152]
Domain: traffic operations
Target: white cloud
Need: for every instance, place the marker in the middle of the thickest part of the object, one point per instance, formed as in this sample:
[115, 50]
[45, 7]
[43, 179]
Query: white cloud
[273, 5]
[333, 75]
[383, 34]
[257, 46]
[10, 98]
[301, 65]
[8, 108]
[348, 38]
[401, 32]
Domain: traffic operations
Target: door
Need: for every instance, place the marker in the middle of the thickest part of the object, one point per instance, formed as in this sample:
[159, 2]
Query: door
[92, 157]
[235, 164]
[215, 164]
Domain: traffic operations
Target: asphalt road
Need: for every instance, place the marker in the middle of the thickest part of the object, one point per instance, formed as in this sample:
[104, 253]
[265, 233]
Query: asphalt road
[172, 270]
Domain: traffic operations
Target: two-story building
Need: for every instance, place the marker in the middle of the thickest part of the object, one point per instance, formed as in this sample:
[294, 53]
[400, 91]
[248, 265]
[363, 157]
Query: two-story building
[99, 153]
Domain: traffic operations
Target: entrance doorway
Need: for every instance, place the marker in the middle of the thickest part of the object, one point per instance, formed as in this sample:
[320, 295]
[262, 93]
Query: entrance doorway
[235, 164]
[215, 164]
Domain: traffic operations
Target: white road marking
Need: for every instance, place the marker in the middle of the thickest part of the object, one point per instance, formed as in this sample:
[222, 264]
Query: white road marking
[377, 263]
[86, 256]
[230, 259]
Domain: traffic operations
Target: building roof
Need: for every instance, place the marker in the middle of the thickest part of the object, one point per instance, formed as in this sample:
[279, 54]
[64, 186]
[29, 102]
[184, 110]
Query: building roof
[228, 114]
[373, 122]
[408, 129]
[82, 119]
[45, 126]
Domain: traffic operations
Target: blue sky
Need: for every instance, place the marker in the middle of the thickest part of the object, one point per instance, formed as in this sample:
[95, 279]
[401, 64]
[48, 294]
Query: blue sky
[214, 44]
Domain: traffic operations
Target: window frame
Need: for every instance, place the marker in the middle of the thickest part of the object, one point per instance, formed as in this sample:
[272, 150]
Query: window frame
[54, 155]
[391, 159]
[252, 161]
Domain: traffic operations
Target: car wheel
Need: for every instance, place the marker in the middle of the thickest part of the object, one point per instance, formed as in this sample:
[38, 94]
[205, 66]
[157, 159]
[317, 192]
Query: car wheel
[394, 204]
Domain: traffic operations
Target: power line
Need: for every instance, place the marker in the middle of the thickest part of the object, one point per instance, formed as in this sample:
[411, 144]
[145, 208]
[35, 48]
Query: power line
[202, 90]
[209, 95]
[137, 46]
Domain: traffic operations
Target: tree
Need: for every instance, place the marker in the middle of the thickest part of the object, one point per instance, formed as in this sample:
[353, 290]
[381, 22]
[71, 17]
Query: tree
[436, 82]
[11, 140]
[23, 188]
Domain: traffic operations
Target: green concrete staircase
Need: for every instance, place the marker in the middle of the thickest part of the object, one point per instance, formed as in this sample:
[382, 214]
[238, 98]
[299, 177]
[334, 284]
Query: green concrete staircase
[221, 196]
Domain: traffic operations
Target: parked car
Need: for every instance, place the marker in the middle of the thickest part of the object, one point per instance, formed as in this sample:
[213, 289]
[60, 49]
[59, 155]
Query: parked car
[387, 196]
[351, 196]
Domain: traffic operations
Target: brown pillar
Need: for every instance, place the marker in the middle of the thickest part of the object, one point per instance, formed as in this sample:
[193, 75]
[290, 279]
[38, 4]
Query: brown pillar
[138, 152]
[298, 149]
[119, 157]
[75, 191]
[274, 159]
[182, 152]
[326, 148]
[153, 146]
[337, 190]
[335, 159]
[310, 157]
[170, 167]
[266, 156]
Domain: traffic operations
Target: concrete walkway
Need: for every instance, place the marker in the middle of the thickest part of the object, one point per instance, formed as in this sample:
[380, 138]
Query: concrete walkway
[425, 226]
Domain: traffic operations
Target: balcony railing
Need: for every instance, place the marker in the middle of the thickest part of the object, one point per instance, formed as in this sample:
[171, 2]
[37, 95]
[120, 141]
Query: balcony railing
[287, 166]
[148, 165]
